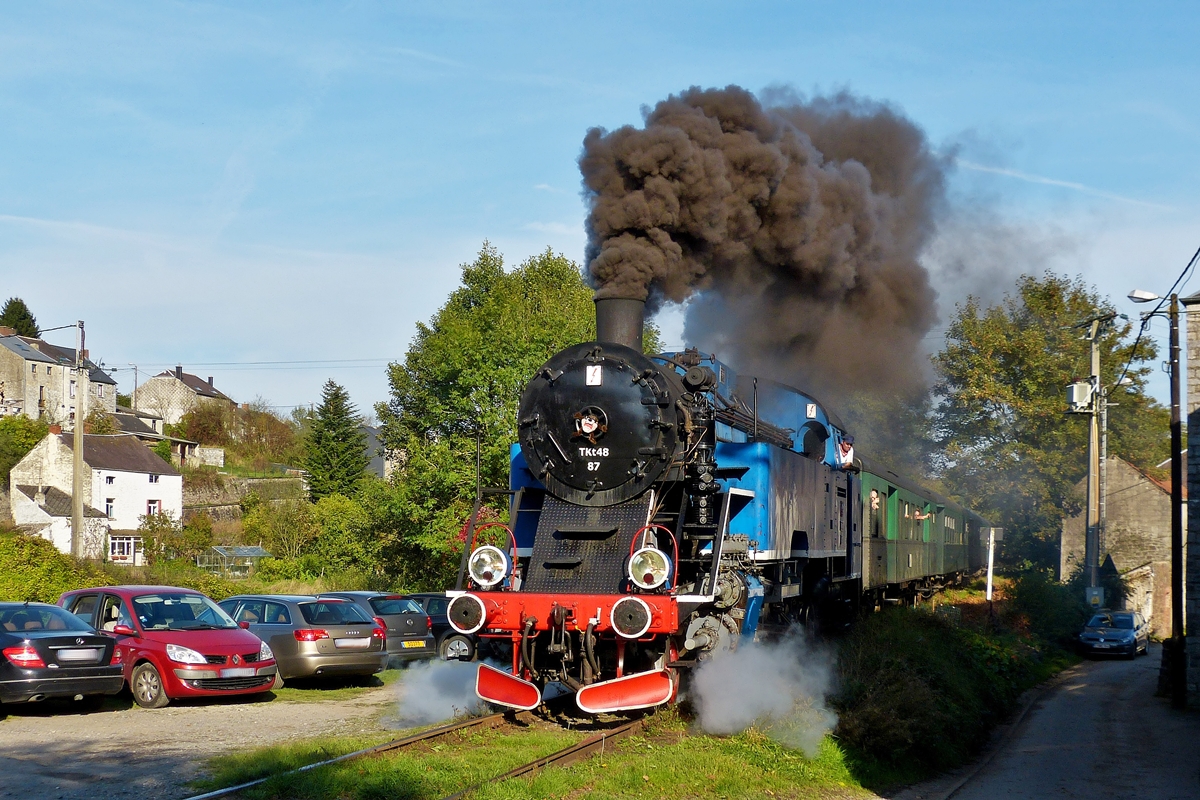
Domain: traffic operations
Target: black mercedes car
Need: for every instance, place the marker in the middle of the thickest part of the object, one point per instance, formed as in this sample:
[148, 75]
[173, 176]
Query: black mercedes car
[49, 652]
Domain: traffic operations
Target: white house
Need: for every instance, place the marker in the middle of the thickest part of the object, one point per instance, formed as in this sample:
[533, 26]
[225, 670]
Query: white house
[125, 481]
[46, 510]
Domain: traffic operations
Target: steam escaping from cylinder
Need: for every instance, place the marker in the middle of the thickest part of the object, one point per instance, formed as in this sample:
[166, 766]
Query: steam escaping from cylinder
[778, 687]
[793, 227]
[436, 690]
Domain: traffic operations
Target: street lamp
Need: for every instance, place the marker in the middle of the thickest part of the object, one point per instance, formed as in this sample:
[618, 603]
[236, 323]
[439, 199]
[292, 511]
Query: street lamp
[1176, 664]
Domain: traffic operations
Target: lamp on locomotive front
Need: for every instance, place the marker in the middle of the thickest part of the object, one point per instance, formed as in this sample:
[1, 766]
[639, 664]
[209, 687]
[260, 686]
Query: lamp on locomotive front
[488, 566]
[649, 568]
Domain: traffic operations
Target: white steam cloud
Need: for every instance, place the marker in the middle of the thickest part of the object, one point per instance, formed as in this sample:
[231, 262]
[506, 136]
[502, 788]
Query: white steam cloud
[432, 691]
[779, 687]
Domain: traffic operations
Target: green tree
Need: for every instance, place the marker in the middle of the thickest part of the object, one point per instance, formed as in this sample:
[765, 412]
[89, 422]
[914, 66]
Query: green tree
[16, 315]
[165, 538]
[284, 527]
[463, 375]
[18, 435]
[336, 450]
[100, 422]
[1007, 447]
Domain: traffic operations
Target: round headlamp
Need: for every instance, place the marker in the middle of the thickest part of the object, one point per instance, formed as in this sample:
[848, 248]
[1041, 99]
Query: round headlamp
[649, 568]
[488, 565]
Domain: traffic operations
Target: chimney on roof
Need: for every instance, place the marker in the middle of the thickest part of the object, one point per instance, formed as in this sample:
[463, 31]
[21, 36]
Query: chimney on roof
[7, 331]
[210, 381]
[39, 496]
[56, 429]
[179, 372]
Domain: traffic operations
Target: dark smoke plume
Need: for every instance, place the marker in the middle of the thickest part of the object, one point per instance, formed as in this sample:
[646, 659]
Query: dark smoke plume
[794, 227]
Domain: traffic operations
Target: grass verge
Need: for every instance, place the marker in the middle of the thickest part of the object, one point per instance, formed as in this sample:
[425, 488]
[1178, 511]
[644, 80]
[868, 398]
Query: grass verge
[428, 771]
[318, 690]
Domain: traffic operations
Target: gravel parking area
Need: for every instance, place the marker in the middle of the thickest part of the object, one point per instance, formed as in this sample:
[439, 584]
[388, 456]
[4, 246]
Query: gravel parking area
[124, 751]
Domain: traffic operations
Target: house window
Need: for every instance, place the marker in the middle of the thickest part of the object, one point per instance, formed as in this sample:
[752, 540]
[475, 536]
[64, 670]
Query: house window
[72, 389]
[124, 549]
[109, 504]
[34, 368]
[110, 480]
[154, 479]
[152, 507]
[99, 390]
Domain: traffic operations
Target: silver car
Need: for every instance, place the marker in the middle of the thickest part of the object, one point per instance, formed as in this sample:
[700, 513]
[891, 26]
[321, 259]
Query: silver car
[1124, 632]
[313, 636]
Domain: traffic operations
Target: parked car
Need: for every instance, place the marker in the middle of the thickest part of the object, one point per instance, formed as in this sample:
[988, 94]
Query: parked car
[313, 636]
[1124, 632]
[48, 652]
[451, 645]
[176, 643]
[409, 630]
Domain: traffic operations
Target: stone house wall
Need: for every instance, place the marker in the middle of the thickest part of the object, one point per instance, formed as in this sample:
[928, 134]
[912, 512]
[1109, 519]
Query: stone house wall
[1138, 538]
[166, 396]
[1192, 544]
[37, 385]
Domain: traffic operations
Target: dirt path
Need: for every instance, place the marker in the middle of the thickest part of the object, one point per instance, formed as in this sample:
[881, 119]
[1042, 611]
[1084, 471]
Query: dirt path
[130, 752]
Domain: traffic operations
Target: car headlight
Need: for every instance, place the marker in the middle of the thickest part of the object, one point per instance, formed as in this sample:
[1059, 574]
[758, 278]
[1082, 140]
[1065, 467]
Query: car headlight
[488, 565]
[184, 655]
[264, 652]
[649, 568]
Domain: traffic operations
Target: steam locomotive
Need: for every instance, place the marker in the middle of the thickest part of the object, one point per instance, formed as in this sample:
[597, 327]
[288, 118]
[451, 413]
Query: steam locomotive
[664, 509]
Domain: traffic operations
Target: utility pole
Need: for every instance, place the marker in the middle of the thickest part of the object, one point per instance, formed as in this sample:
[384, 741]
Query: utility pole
[1178, 655]
[1092, 539]
[81, 388]
[133, 397]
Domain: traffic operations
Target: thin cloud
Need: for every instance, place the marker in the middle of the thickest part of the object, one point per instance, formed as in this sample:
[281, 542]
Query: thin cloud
[545, 187]
[1079, 187]
[430, 57]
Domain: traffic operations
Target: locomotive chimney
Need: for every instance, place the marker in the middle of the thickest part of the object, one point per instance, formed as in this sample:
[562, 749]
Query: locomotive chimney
[619, 320]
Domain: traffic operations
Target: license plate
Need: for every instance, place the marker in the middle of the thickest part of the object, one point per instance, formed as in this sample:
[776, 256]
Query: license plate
[1103, 644]
[84, 654]
[412, 644]
[238, 672]
[352, 644]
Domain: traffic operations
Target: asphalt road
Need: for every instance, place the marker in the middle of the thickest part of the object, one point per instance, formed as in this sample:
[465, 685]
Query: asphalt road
[1100, 734]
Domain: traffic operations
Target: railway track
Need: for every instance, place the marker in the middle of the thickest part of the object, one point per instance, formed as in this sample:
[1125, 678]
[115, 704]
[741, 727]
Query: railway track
[568, 755]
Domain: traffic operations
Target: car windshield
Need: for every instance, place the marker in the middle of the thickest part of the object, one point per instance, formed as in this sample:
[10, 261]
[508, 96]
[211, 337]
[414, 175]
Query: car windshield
[1119, 621]
[25, 617]
[395, 605]
[333, 612]
[177, 611]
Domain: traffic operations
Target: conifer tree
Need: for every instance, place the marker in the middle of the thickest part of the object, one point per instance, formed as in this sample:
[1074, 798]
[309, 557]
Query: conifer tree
[16, 315]
[336, 457]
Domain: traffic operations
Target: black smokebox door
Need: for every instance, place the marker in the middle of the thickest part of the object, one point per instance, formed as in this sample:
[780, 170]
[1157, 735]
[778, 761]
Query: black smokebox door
[598, 424]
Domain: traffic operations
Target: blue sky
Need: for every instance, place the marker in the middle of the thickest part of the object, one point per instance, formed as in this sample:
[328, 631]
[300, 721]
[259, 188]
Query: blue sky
[215, 184]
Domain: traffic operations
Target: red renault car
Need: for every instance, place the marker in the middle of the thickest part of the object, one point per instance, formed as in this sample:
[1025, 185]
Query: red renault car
[176, 643]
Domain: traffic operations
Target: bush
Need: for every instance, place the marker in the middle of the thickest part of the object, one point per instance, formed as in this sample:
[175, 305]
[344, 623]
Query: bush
[1053, 611]
[32, 568]
[18, 435]
[919, 694]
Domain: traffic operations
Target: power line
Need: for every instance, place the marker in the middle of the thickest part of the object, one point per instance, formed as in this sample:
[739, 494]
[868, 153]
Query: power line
[1182, 279]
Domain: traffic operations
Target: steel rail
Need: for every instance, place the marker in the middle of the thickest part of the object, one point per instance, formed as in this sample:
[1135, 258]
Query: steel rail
[490, 721]
[568, 755]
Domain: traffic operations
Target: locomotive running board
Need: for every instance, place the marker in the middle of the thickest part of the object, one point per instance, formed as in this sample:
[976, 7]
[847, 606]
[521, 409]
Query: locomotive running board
[643, 690]
[503, 689]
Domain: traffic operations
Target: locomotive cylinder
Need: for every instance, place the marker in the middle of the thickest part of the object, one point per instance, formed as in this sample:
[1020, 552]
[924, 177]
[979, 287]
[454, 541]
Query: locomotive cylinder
[619, 320]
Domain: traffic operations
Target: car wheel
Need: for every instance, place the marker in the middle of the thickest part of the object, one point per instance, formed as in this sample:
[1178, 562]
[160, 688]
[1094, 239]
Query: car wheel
[147, 686]
[456, 648]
